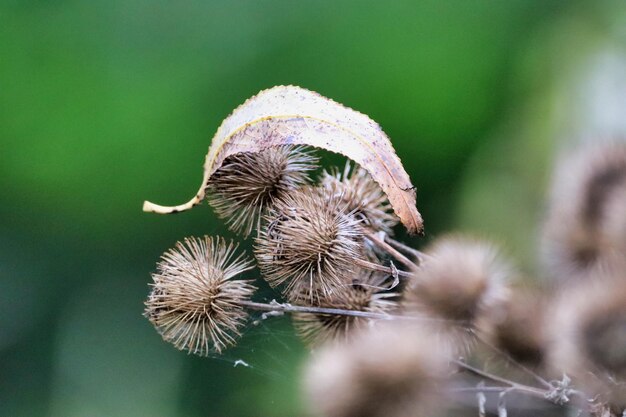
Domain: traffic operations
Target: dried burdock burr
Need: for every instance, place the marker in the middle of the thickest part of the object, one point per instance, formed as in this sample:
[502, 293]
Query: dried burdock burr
[195, 302]
[362, 197]
[586, 223]
[329, 249]
[519, 330]
[368, 293]
[463, 281]
[309, 245]
[247, 183]
[587, 334]
[387, 370]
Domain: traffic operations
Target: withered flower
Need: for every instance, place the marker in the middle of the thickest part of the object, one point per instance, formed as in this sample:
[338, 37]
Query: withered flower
[309, 244]
[195, 302]
[588, 333]
[520, 329]
[586, 222]
[362, 197]
[462, 281]
[391, 370]
[368, 293]
[247, 183]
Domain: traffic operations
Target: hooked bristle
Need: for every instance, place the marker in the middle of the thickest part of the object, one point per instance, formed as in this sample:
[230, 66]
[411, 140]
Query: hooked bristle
[309, 243]
[246, 184]
[195, 302]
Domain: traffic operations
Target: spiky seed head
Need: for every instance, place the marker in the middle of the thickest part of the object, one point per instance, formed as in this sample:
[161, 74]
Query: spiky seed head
[391, 369]
[362, 197]
[247, 183]
[586, 209]
[613, 228]
[587, 333]
[368, 293]
[310, 243]
[520, 329]
[462, 281]
[195, 302]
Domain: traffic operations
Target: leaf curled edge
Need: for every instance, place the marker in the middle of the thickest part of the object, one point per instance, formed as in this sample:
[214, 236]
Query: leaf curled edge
[286, 115]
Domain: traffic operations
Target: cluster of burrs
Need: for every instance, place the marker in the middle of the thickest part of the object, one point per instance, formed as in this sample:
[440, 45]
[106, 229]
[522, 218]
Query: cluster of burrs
[399, 332]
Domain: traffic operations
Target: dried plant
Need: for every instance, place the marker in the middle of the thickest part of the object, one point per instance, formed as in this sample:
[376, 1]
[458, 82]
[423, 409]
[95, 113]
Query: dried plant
[588, 334]
[586, 214]
[246, 184]
[195, 302]
[368, 293]
[362, 197]
[520, 329]
[390, 370]
[310, 244]
[462, 281]
[398, 332]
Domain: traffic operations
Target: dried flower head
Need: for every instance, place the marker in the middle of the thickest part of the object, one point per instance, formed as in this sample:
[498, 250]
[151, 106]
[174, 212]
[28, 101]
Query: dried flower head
[462, 281]
[361, 196]
[391, 370]
[247, 183]
[310, 243]
[367, 293]
[519, 330]
[588, 333]
[586, 213]
[195, 303]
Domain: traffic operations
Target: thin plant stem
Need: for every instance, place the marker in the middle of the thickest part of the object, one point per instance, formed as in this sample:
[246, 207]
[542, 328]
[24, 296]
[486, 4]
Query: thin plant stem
[391, 250]
[290, 308]
[480, 389]
[535, 393]
[515, 363]
[418, 255]
[381, 268]
[495, 378]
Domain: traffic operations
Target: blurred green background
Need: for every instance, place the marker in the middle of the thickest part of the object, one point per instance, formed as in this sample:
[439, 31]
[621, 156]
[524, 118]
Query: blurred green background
[106, 103]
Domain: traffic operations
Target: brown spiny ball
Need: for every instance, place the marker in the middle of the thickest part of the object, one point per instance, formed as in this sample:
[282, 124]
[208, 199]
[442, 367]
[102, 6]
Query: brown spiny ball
[520, 331]
[587, 333]
[391, 369]
[195, 302]
[247, 183]
[462, 281]
[367, 293]
[586, 218]
[310, 244]
[362, 197]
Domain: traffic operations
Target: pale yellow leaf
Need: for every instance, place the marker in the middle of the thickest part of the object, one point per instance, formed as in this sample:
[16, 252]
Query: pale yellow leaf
[292, 115]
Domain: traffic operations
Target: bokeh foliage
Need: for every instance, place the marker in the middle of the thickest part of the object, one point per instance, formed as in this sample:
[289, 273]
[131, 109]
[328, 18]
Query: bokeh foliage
[104, 104]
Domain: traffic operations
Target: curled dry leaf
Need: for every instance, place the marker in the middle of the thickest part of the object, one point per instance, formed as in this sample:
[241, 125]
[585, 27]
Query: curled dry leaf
[287, 115]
